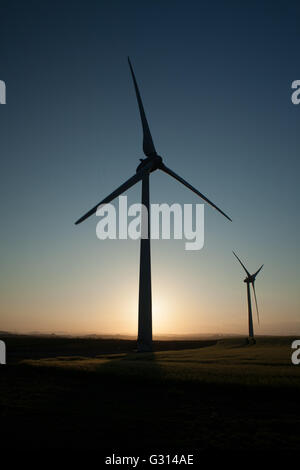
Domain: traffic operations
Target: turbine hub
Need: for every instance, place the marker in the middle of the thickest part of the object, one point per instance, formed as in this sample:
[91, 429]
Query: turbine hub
[151, 163]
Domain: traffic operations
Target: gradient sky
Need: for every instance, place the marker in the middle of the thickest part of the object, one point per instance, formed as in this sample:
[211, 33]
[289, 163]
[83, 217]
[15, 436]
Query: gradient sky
[216, 79]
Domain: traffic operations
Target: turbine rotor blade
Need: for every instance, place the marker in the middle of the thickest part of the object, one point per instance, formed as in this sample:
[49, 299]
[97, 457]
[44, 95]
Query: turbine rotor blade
[255, 274]
[148, 146]
[139, 176]
[247, 272]
[185, 183]
[255, 301]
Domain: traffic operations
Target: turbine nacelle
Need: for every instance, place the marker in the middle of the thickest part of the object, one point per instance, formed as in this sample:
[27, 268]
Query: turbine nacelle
[151, 163]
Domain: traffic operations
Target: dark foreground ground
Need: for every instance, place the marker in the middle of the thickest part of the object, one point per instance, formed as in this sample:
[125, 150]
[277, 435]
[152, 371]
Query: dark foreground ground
[78, 394]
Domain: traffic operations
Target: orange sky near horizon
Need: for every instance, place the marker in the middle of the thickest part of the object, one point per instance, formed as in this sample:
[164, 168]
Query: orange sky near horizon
[86, 298]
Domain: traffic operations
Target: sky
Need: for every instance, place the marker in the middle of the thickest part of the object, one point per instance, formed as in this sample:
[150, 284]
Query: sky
[215, 78]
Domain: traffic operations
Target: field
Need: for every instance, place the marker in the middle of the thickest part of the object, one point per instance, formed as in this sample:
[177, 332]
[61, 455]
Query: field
[76, 393]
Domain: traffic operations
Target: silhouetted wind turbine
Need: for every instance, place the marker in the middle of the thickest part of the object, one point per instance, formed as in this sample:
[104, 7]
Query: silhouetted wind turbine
[149, 164]
[250, 279]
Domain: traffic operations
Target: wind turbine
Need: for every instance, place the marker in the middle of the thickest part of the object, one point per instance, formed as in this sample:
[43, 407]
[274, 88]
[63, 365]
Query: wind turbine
[148, 165]
[250, 279]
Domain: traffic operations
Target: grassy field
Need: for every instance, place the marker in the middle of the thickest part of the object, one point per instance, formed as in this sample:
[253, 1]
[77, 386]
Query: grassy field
[199, 395]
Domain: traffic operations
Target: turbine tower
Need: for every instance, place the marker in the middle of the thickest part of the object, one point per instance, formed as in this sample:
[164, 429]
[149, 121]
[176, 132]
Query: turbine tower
[151, 163]
[250, 279]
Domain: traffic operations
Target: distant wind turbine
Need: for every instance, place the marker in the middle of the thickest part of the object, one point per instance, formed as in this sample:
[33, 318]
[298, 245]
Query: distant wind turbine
[149, 164]
[250, 279]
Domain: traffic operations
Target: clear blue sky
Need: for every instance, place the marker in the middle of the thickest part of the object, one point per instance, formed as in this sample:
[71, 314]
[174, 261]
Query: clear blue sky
[216, 83]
